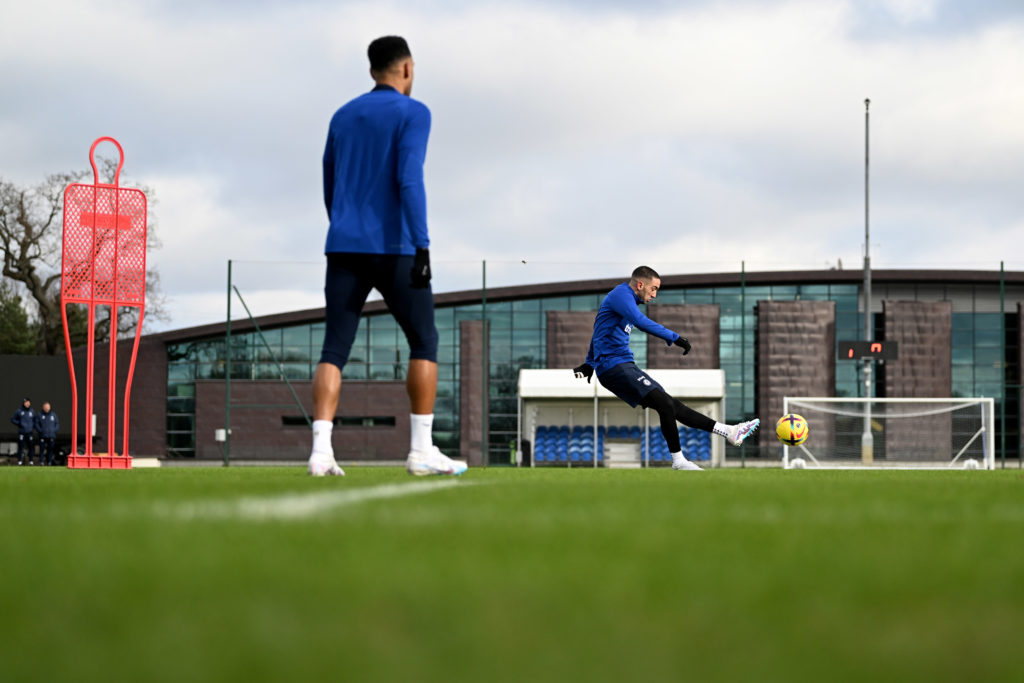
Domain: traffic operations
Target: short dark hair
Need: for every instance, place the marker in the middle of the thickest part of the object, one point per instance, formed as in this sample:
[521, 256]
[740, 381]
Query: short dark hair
[385, 51]
[644, 273]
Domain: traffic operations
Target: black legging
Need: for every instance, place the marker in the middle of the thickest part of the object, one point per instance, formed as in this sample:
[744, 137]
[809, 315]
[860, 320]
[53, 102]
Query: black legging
[671, 410]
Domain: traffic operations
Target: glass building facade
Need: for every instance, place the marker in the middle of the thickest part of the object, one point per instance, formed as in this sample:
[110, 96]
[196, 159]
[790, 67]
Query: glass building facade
[983, 348]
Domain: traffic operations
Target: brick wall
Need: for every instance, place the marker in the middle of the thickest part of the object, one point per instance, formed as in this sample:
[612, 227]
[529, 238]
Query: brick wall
[257, 433]
[568, 337]
[795, 356]
[472, 410]
[923, 330]
[698, 323]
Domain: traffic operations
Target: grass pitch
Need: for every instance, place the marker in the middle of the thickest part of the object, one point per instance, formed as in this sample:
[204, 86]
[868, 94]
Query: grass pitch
[252, 574]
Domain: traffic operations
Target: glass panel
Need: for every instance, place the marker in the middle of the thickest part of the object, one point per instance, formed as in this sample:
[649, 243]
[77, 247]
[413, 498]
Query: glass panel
[527, 335]
[180, 440]
[444, 318]
[387, 371]
[499, 320]
[671, 297]
[295, 353]
[445, 355]
[585, 302]
[384, 355]
[180, 371]
[555, 303]
[987, 374]
[814, 292]
[963, 355]
[784, 292]
[963, 321]
[354, 370]
[209, 351]
[184, 404]
[987, 356]
[987, 321]
[500, 337]
[526, 305]
[987, 338]
[296, 336]
[180, 423]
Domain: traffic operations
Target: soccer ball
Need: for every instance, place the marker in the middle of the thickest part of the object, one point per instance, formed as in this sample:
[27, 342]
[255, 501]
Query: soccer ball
[970, 464]
[791, 429]
[797, 464]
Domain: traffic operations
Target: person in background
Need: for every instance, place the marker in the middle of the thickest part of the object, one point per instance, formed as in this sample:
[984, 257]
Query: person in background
[24, 419]
[47, 425]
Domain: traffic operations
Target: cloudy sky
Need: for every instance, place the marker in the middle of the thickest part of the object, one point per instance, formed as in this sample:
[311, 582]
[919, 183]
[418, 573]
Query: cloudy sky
[579, 137]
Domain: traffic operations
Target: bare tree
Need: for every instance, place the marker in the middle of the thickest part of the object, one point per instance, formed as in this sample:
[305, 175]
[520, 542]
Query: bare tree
[30, 235]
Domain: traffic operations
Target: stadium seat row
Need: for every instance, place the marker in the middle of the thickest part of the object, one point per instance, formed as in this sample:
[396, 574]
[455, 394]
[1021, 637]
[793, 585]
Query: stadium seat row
[560, 444]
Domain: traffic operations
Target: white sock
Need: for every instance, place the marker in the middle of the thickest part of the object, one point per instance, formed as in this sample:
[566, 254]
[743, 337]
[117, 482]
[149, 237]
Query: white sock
[677, 457]
[721, 429]
[420, 429]
[322, 436]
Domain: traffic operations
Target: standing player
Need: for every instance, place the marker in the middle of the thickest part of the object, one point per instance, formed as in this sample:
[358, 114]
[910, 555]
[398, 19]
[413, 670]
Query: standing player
[610, 356]
[376, 201]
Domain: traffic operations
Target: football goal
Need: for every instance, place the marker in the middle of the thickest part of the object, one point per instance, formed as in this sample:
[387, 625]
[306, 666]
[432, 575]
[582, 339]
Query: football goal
[906, 433]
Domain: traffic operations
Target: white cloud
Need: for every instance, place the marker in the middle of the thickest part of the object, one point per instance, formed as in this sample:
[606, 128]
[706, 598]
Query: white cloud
[583, 140]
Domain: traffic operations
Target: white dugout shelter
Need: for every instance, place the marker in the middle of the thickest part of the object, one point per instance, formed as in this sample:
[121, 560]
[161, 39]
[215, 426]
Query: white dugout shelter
[557, 397]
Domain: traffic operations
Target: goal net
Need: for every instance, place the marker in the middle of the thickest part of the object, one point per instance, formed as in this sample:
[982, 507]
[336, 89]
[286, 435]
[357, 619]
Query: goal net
[906, 433]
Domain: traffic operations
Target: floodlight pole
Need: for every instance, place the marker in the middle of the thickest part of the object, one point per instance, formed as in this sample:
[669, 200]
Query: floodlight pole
[867, 441]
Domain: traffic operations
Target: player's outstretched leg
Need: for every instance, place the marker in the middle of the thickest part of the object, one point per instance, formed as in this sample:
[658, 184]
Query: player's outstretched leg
[737, 433]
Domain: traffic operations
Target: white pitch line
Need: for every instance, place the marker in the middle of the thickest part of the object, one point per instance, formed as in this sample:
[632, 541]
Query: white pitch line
[292, 506]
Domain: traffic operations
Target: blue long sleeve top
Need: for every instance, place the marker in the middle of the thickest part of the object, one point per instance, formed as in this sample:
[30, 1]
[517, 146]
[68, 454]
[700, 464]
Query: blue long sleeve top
[373, 174]
[618, 315]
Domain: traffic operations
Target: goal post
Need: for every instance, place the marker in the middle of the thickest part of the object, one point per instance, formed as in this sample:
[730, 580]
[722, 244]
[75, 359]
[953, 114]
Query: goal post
[909, 433]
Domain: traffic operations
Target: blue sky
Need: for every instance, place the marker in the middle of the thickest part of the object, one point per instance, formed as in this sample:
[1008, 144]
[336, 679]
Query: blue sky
[581, 138]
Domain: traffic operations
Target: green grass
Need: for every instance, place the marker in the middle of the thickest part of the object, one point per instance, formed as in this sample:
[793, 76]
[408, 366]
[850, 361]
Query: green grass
[539, 575]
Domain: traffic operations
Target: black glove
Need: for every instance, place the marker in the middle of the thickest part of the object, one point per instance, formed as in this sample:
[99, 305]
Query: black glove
[683, 343]
[584, 371]
[421, 269]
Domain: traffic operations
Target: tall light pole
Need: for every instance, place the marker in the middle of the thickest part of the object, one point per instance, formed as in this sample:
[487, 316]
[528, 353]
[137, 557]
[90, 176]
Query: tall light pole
[867, 445]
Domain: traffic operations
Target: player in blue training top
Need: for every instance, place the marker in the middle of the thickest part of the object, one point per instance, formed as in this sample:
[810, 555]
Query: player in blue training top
[610, 357]
[377, 205]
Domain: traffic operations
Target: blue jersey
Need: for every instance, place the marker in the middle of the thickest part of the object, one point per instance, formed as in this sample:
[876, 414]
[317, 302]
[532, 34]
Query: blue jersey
[618, 315]
[373, 175]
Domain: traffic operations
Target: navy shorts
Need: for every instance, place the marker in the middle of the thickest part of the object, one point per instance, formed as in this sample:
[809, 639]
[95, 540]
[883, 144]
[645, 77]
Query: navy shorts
[350, 277]
[628, 382]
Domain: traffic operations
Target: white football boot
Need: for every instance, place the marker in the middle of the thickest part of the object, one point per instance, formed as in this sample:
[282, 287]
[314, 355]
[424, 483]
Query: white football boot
[739, 432]
[424, 463]
[322, 464]
[684, 464]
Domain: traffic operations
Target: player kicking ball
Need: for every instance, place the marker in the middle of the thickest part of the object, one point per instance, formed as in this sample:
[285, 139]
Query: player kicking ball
[376, 202]
[610, 357]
